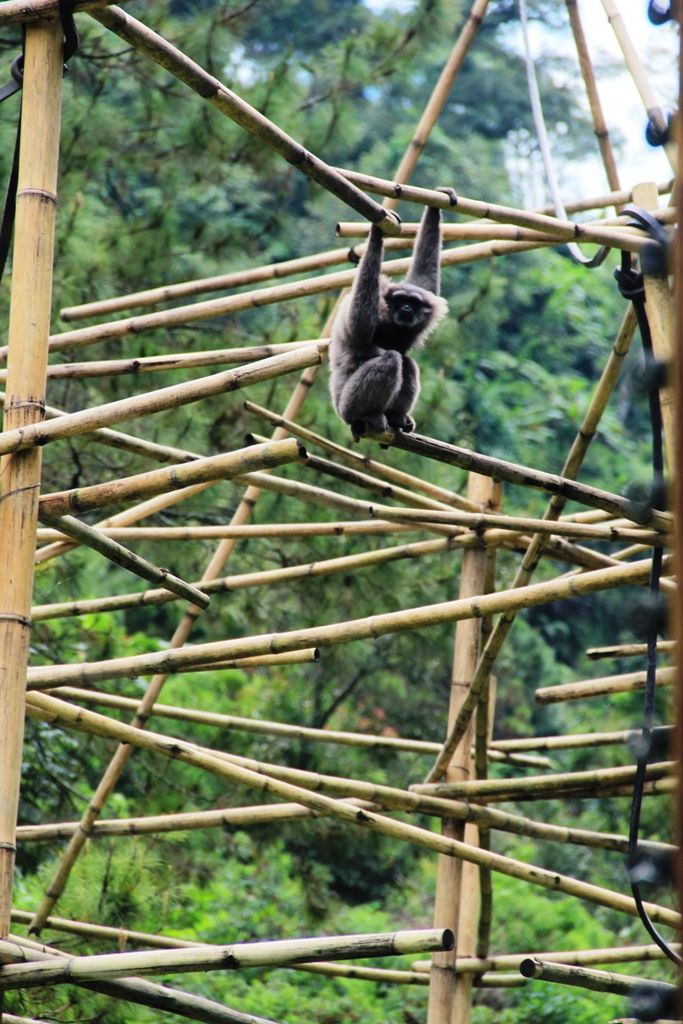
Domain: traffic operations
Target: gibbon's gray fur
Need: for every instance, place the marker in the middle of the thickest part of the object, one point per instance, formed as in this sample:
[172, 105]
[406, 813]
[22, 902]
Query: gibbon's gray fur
[373, 383]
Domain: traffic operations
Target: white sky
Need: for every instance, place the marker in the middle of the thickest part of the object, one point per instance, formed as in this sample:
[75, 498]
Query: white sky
[622, 106]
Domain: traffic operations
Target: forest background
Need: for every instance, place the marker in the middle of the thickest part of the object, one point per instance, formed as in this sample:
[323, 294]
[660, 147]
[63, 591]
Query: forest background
[156, 187]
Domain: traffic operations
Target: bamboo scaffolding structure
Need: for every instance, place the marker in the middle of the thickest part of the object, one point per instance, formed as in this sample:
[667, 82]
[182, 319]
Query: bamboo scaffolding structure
[109, 966]
[268, 272]
[482, 788]
[83, 422]
[481, 521]
[575, 958]
[563, 231]
[116, 553]
[238, 110]
[457, 895]
[266, 728]
[135, 990]
[59, 713]
[345, 632]
[660, 317]
[395, 476]
[538, 545]
[125, 442]
[29, 326]
[639, 75]
[584, 977]
[625, 683]
[572, 741]
[184, 361]
[560, 486]
[589, 80]
[158, 481]
[628, 650]
[281, 531]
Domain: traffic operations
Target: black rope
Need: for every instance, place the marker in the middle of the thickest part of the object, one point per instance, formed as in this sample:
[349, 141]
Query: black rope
[632, 287]
[71, 43]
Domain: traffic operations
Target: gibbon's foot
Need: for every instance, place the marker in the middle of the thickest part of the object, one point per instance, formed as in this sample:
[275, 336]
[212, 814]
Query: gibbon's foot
[376, 424]
[450, 193]
[401, 421]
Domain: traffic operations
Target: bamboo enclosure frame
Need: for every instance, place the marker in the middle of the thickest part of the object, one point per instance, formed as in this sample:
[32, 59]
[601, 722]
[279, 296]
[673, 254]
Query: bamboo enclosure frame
[382, 499]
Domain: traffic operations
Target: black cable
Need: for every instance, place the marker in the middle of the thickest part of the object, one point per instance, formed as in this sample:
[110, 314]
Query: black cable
[632, 287]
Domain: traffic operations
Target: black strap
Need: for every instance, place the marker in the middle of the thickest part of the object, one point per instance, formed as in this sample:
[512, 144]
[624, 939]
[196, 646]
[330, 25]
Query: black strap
[71, 40]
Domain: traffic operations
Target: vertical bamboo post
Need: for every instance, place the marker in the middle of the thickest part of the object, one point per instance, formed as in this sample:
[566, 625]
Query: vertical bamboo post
[599, 123]
[439, 96]
[470, 882]
[29, 327]
[449, 884]
[661, 318]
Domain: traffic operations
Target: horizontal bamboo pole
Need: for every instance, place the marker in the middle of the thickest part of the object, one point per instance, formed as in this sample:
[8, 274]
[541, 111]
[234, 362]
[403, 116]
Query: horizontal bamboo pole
[15, 12]
[158, 481]
[209, 88]
[116, 553]
[567, 231]
[59, 713]
[574, 957]
[484, 816]
[625, 683]
[585, 977]
[158, 401]
[555, 784]
[512, 473]
[628, 650]
[389, 977]
[624, 238]
[572, 741]
[246, 581]
[657, 787]
[479, 521]
[354, 629]
[125, 442]
[251, 530]
[151, 364]
[108, 966]
[609, 199]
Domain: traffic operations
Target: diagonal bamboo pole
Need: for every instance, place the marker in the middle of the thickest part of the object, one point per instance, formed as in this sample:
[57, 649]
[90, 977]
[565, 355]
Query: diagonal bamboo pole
[20, 476]
[179, 637]
[553, 511]
[596, 981]
[238, 110]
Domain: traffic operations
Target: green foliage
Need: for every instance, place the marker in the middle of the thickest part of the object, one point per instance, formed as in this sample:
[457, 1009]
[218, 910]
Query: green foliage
[156, 187]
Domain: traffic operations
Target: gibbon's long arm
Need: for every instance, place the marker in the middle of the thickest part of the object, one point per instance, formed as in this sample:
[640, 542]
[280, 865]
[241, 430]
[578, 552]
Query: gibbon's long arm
[425, 264]
[364, 299]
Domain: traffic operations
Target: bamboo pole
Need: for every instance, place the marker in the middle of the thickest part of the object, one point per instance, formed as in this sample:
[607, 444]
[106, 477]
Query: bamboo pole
[660, 317]
[588, 75]
[157, 481]
[521, 524]
[281, 531]
[628, 682]
[135, 990]
[554, 509]
[575, 958]
[14, 440]
[15, 12]
[186, 289]
[238, 110]
[596, 981]
[116, 553]
[108, 966]
[639, 76]
[622, 237]
[562, 487]
[383, 976]
[484, 788]
[29, 327]
[572, 741]
[184, 361]
[57, 712]
[266, 728]
[395, 476]
[628, 650]
[401, 621]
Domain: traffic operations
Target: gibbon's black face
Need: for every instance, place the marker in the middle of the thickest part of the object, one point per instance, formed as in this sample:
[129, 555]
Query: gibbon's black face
[409, 306]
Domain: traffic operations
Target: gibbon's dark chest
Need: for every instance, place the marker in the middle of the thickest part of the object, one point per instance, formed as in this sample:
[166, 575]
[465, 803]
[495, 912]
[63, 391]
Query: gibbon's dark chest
[390, 336]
